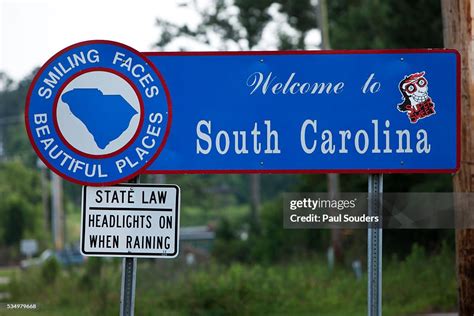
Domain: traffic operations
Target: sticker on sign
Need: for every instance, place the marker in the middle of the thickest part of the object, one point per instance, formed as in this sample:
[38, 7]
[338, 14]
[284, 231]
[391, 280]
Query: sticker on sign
[130, 220]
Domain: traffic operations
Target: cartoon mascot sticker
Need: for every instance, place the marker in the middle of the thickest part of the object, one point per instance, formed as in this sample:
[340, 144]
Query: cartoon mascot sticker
[416, 101]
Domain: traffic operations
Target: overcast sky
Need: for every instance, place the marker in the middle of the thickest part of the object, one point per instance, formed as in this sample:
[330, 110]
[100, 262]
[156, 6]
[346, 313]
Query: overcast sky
[31, 31]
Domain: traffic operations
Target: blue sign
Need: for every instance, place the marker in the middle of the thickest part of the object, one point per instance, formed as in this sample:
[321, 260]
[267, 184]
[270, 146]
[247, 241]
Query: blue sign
[98, 113]
[312, 112]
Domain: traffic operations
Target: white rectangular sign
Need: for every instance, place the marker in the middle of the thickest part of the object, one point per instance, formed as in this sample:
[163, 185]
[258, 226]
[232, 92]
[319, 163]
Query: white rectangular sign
[130, 220]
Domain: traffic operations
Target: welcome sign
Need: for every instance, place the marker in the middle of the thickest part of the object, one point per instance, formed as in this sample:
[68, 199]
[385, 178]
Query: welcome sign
[312, 111]
[100, 112]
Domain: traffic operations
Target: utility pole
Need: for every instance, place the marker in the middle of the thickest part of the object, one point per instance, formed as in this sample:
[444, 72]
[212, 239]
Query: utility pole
[458, 33]
[332, 178]
[159, 178]
[323, 24]
[57, 225]
[129, 279]
[44, 193]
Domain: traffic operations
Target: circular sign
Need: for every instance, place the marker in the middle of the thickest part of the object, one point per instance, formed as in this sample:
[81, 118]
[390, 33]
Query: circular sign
[98, 113]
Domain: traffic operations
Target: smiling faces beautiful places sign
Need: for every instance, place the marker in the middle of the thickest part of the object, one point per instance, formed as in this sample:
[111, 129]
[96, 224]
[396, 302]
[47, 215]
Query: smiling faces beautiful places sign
[99, 112]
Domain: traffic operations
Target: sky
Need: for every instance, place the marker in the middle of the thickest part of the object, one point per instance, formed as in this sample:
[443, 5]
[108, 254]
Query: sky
[31, 31]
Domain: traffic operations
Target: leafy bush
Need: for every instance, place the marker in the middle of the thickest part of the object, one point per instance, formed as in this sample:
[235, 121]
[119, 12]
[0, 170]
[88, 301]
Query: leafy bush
[20, 204]
[419, 283]
[50, 270]
[272, 243]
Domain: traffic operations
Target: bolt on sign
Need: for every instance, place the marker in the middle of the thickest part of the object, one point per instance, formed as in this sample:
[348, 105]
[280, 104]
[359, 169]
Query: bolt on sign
[132, 220]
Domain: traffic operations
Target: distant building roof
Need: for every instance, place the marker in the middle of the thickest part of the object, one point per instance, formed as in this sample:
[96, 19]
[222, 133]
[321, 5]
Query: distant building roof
[196, 233]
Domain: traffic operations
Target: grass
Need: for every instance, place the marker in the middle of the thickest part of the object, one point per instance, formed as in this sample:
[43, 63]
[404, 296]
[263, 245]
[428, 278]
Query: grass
[418, 284]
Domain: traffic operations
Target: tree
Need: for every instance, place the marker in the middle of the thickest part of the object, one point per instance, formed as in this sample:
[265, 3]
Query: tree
[370, 24]
[14, 141]
[244, 24]
[457, 18]
[20, 204]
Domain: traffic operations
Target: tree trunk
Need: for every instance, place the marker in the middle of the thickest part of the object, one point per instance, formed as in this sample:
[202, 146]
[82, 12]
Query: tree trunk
[255, 202]
[458, 33]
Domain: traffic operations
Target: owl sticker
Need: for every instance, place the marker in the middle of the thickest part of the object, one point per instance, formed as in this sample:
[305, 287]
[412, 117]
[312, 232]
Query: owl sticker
[416, 101]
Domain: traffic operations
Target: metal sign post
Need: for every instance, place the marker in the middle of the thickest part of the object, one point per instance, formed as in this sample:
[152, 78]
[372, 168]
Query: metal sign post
[129, 280]
[374, 243]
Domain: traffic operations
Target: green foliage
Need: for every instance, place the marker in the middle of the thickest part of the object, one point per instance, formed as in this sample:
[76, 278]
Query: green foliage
[369, 24]
[50, 270]
[20, 204]
[17, 145]
[93, 270]
[253, 16]
[302, 14]
[422, 282]
[13, 219]
[206, 198]
[211, 191]
[272, 244]
[418, 284]
[229, 246]
[63, 292]
[244, 26]
[275, 243]
[12, 131]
